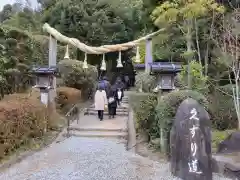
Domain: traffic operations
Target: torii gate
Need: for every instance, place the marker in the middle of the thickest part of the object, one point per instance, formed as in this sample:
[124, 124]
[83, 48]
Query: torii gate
[57, 36]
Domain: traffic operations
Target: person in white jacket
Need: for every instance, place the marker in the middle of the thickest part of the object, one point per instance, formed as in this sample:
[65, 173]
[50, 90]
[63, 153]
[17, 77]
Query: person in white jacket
[101, 101]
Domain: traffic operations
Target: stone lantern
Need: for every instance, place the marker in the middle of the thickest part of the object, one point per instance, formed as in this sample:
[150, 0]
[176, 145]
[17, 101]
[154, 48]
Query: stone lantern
[44, 80]
[165, 73]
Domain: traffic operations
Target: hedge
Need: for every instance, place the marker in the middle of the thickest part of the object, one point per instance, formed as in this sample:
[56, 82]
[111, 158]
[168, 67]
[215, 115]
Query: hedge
[143, 105]
[22, 117]
[66, 97]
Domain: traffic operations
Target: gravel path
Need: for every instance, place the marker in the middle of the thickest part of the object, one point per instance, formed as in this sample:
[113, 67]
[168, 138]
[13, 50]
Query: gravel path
[88, 159]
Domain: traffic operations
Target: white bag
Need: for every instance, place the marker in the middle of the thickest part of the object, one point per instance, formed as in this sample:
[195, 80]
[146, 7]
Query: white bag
[111, 100]
[119, 94]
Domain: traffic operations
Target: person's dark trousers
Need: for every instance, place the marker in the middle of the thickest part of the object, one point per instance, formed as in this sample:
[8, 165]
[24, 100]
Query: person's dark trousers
[114, 111]
[118, 102]
[127, 85]
[111, 111]
[100, 114]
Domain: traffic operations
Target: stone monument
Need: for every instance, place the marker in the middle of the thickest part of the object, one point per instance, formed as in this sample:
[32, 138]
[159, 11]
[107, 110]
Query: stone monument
[190, 142]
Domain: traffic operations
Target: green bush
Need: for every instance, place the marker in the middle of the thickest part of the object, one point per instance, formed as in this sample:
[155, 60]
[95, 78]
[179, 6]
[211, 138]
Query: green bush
[18, 51]
[143, 105]
[75, 76]
[167, 107]
[221, 105]
[145, 81]
[198, 80]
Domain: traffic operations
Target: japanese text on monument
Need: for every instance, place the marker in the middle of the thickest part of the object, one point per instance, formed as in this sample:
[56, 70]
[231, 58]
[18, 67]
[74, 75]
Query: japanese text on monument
[193, 164]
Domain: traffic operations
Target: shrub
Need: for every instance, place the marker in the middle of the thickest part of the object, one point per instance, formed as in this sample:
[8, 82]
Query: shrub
[19, 50]
[145, 81]
[167, 107]
[22, 117]
[67, 96]
[198, 80]
[75, 76]
[223, 113]
[143, 105]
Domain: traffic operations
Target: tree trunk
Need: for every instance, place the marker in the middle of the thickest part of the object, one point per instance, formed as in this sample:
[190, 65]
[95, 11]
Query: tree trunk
[189, 51]
[197, 42]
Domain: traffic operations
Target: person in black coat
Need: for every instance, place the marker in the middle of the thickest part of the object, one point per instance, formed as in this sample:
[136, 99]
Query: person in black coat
[127, 82]
[112, 103]
[119, 88]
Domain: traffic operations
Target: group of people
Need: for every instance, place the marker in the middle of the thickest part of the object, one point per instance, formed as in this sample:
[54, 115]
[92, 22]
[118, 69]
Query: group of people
[108, 97]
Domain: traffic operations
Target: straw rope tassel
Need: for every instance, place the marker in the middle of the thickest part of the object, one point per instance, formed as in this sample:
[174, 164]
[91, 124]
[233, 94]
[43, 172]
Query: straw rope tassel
[66, 56]
[119, 61]
[85, 65]
[103, 66]
[138, 58]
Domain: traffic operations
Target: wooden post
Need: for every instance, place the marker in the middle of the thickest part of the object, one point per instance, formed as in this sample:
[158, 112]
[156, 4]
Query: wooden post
[52, 61]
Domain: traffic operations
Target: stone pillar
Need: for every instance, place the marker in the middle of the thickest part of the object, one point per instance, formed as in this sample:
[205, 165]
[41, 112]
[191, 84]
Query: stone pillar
[148, 55]
[52, 61]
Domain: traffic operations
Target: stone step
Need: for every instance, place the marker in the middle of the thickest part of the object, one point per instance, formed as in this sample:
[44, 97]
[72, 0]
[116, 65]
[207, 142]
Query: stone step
[97, 129]
[118, 109]
[94, 112]
[99, 134]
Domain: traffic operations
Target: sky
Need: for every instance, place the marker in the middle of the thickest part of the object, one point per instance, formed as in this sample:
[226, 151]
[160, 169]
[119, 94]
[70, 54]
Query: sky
[3, 2]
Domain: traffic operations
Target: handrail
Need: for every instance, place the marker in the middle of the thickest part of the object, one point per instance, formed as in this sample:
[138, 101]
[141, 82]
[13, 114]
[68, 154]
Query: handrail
[70, 113]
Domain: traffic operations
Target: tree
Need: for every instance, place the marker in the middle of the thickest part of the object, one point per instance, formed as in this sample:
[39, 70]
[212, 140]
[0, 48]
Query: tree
[6, 12]
[25, 20]
[184, 15]
[228, 43]
[46, 4]
[94, 23]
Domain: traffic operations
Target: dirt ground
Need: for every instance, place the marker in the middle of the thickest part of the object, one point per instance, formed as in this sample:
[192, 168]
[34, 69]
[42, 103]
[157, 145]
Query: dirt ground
[143, 148]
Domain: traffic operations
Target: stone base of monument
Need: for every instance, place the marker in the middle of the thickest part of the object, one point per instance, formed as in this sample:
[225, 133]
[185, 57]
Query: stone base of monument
[227, 164]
